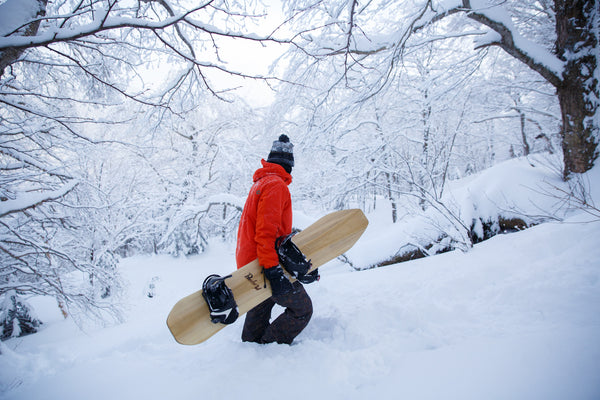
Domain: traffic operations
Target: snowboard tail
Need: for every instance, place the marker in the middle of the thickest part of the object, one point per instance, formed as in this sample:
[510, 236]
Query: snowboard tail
[190, 322]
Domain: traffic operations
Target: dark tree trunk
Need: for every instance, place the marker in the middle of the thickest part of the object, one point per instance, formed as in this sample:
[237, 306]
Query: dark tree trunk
[9, 56]
[576, 44]
[578, 90]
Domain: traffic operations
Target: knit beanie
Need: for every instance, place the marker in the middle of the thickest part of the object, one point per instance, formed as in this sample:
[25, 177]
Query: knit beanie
[282, 153]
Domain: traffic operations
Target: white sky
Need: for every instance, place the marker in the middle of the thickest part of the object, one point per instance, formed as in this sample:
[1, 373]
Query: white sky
[252, 59]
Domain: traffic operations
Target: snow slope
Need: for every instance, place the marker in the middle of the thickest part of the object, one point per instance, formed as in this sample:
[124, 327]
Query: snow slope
[517, 317]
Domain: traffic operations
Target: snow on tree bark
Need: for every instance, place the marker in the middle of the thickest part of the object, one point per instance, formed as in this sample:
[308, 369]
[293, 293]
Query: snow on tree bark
[577, 44]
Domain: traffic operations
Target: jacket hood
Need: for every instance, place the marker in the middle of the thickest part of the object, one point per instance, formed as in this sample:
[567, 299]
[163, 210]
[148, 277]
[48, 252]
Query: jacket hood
[272, 169]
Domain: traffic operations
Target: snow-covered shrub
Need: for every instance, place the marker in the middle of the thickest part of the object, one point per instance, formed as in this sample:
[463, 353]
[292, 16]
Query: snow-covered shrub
[483, 230]
[16, 317]
[185, 240]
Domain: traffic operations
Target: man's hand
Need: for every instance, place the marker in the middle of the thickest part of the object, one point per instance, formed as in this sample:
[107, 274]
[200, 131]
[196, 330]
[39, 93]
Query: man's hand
[279, 283]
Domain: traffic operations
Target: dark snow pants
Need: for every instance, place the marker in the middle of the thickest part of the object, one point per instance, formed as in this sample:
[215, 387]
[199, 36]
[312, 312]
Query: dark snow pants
[298, 310]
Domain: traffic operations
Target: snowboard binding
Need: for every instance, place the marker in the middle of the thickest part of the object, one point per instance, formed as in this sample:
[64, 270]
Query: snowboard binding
[290, 257]
[219, 297]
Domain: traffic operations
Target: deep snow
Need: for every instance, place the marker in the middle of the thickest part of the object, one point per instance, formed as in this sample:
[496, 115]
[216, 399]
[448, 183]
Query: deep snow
[516, 317]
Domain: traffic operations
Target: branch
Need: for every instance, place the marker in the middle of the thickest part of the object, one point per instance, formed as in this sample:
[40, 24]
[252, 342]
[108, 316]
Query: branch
[200, 64]
[94, 76]
[515, 45]
[115, 23]
[531, 54]
[29, 200]
[349, 34]
[177, 28]
[107, 24]
[62, 121]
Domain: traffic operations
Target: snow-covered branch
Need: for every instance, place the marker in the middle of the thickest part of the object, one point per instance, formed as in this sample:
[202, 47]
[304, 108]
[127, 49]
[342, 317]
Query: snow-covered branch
[26, 201]
[503, 34]
[100, 24]
[508, 38]
[104, 22]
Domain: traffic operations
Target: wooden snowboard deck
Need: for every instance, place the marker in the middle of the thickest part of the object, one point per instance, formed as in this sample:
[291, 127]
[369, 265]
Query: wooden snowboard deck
[332, 235]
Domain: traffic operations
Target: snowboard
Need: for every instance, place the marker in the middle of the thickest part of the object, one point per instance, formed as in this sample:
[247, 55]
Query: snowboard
[189, 320]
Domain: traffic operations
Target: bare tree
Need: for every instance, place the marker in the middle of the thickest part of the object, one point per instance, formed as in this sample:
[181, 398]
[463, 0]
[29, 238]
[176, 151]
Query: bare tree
[73, 72]
[557, 40]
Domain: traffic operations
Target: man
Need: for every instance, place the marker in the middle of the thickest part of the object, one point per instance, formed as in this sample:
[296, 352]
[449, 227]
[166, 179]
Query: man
[267, 215]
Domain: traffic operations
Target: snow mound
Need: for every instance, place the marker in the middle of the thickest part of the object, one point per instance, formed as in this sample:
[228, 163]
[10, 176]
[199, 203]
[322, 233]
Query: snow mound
[528, 190]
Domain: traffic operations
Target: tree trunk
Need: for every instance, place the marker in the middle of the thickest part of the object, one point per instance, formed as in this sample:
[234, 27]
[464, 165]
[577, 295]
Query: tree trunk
[7, 57]
[576, 44]
[526, 148]
[390, 196]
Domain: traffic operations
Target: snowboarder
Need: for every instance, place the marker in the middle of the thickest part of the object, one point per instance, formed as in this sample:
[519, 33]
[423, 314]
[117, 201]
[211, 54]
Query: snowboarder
[267, 215]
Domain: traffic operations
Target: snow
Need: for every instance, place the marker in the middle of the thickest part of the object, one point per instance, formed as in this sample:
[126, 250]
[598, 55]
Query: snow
[516, 317]
[31, 199]
[525, 188]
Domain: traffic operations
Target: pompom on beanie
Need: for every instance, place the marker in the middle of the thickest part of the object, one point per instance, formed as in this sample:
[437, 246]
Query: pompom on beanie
[282, 153]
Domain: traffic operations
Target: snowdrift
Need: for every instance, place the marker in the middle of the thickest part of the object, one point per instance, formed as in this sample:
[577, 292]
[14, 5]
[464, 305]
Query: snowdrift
[519, 193]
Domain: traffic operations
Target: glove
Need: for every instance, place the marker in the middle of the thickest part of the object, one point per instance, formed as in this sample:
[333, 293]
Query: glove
[311, 277]
[279, 283]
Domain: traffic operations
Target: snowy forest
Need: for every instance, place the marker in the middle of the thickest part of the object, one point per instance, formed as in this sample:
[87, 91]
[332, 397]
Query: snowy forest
[133, 127]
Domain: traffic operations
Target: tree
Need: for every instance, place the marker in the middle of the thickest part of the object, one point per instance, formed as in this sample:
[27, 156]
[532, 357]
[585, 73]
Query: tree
[380, 141]
[197, 173]
[559, 42]
[72, 73]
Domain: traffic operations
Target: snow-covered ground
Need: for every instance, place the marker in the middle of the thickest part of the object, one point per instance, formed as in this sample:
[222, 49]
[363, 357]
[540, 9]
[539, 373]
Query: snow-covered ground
[516, 317]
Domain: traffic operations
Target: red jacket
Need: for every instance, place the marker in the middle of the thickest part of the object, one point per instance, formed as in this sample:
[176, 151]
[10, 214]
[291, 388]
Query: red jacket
[267, 215]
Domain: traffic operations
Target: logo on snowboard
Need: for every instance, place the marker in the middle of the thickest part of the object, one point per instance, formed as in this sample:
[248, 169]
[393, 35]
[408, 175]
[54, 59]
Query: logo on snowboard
[253, 281]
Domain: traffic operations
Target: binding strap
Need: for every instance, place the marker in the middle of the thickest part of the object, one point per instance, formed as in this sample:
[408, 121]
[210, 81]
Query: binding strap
[219, 297]
[290, 256]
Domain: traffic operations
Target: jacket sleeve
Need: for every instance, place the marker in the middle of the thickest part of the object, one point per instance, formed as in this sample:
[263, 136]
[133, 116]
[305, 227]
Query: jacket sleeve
[269, 221]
